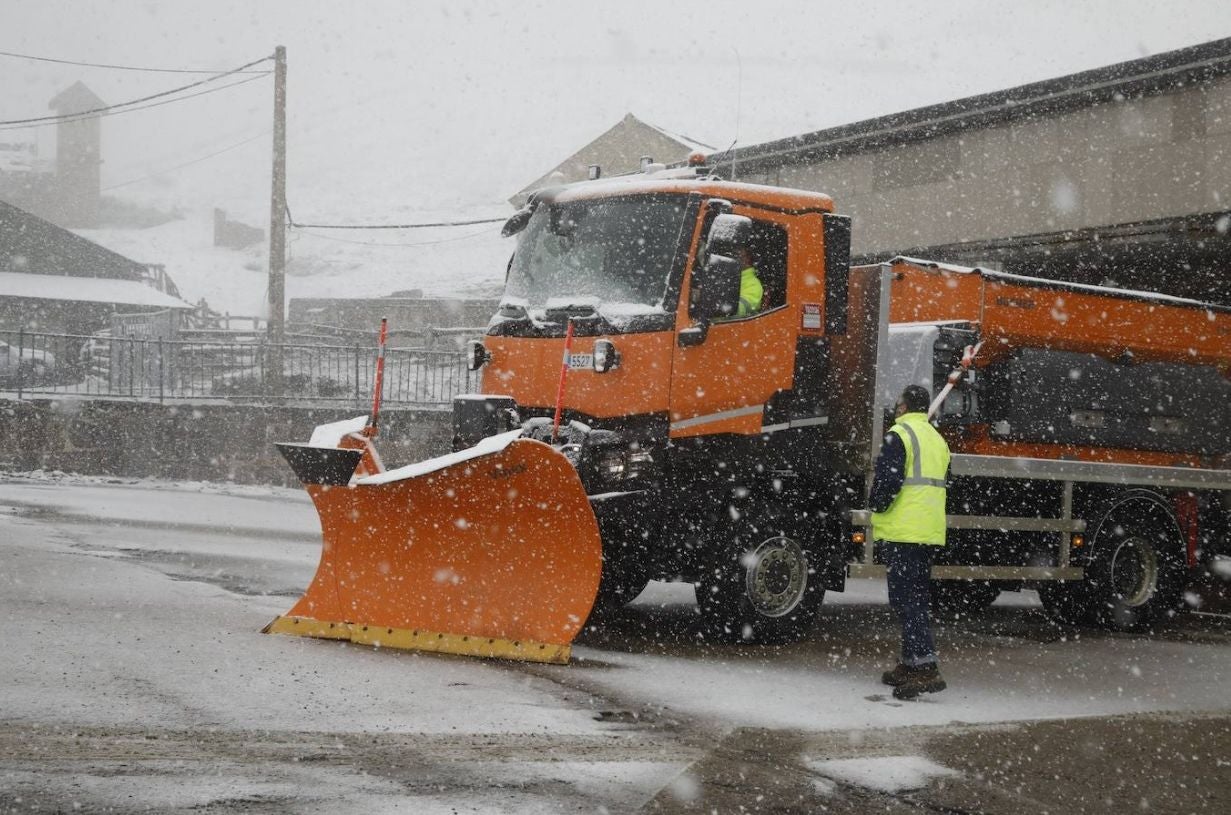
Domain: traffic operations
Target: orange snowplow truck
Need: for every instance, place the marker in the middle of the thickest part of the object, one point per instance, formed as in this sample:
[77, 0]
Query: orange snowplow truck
[637, 423]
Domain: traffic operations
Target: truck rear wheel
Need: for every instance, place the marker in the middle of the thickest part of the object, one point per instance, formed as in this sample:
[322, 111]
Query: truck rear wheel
[1136, 570]
[764, 586]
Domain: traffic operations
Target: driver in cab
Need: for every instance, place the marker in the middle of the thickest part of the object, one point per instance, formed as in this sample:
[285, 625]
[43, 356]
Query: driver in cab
[750, 290]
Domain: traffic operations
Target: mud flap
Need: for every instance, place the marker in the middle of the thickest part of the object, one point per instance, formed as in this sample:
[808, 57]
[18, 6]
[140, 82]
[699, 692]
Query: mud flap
[493, 551]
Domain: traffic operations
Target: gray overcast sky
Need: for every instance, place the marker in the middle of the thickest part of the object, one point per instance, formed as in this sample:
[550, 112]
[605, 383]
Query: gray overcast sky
[404, 107]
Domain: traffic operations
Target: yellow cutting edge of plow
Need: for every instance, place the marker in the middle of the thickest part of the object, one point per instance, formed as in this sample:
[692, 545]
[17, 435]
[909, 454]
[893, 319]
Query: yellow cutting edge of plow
[420, 640]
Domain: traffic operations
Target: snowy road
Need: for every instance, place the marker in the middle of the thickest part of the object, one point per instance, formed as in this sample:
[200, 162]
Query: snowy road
[135, 679]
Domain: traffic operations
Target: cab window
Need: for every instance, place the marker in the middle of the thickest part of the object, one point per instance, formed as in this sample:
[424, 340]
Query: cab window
[768, 246]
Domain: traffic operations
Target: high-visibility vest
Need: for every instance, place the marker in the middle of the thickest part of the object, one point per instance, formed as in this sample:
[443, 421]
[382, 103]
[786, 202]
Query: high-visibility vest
[917, 514]
[750, 292]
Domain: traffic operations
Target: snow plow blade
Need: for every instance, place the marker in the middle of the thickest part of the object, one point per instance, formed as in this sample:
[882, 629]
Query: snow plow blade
[493, 551]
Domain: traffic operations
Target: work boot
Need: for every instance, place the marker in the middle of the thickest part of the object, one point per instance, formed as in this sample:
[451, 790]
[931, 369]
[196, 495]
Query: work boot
[898, 675]
[923, 679]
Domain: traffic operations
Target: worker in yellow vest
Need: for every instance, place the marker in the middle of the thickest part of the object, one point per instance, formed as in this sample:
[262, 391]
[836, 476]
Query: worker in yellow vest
[908, 521]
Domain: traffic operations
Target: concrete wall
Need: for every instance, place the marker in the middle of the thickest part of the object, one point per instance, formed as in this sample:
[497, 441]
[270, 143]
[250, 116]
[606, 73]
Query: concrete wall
[190, 442]
[1139, 159]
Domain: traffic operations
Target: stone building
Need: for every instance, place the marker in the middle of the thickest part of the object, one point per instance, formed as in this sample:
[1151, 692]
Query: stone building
[1118, 175]
[619, 150]
[67, 192]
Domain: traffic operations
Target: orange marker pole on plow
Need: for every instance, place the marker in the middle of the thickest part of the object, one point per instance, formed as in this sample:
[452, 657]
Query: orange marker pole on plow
[568, 351]
[378, 386]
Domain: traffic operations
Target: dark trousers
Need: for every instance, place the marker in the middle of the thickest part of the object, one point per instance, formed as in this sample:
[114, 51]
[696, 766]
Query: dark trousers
[909, 568]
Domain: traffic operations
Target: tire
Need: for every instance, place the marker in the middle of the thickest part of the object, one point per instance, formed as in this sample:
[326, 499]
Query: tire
[1137, 569]
[628, 545]
[763, 586]
[956, 599]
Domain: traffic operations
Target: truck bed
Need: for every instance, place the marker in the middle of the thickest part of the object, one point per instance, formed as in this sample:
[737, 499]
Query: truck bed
[1066, 371]
[1013, 311]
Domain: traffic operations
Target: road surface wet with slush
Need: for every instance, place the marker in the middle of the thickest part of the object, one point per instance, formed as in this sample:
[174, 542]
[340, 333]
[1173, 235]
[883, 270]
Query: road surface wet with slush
[135, 680]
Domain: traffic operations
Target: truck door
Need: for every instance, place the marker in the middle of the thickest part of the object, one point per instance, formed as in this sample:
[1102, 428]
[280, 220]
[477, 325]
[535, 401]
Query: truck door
[721, 384]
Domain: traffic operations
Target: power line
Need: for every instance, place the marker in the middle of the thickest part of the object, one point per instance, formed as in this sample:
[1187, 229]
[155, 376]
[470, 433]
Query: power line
[186, 163]
[114, 67]
[400, 226]
[137, 101]
[425, 243]
[293, 224]
[78, 117]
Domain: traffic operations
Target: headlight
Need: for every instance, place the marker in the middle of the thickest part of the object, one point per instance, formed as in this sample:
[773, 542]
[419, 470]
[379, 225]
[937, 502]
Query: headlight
[624, 464]
[605, 356]
[637, 463]
[611, 465]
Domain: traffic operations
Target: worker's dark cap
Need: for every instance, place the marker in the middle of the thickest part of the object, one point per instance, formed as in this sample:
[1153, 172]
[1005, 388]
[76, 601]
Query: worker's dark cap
[916, 398]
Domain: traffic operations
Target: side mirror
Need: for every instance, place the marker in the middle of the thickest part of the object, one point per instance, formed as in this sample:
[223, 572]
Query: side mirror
[717, 289]
[516, 223]
[518, 220]
[476, 355]
[727, 234]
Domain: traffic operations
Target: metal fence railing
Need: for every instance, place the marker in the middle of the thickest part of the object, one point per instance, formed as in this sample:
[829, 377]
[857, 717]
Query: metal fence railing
[154, 369]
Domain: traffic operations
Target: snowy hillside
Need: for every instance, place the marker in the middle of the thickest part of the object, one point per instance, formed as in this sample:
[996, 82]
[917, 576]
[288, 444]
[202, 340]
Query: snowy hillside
[459, 261]
[455, 261]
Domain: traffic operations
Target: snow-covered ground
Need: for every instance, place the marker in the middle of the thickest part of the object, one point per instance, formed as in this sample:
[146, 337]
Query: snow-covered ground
[135, 607]
[139, 608]
[229, 280]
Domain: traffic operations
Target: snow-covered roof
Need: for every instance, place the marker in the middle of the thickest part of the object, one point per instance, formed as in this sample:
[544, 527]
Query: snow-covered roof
[618, 149]
[687, 141]
[685, 181]
[937, 264]
[85, 290]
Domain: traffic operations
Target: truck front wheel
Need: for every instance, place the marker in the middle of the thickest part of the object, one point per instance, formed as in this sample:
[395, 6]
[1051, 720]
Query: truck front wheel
[764, 586]
[629, 527]
[620, 584]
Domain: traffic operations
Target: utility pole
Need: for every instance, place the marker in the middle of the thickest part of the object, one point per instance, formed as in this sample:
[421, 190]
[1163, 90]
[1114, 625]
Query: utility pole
[277, 231]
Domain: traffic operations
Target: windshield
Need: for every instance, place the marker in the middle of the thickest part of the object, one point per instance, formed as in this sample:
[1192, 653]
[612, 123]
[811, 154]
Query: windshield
[607, 252]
